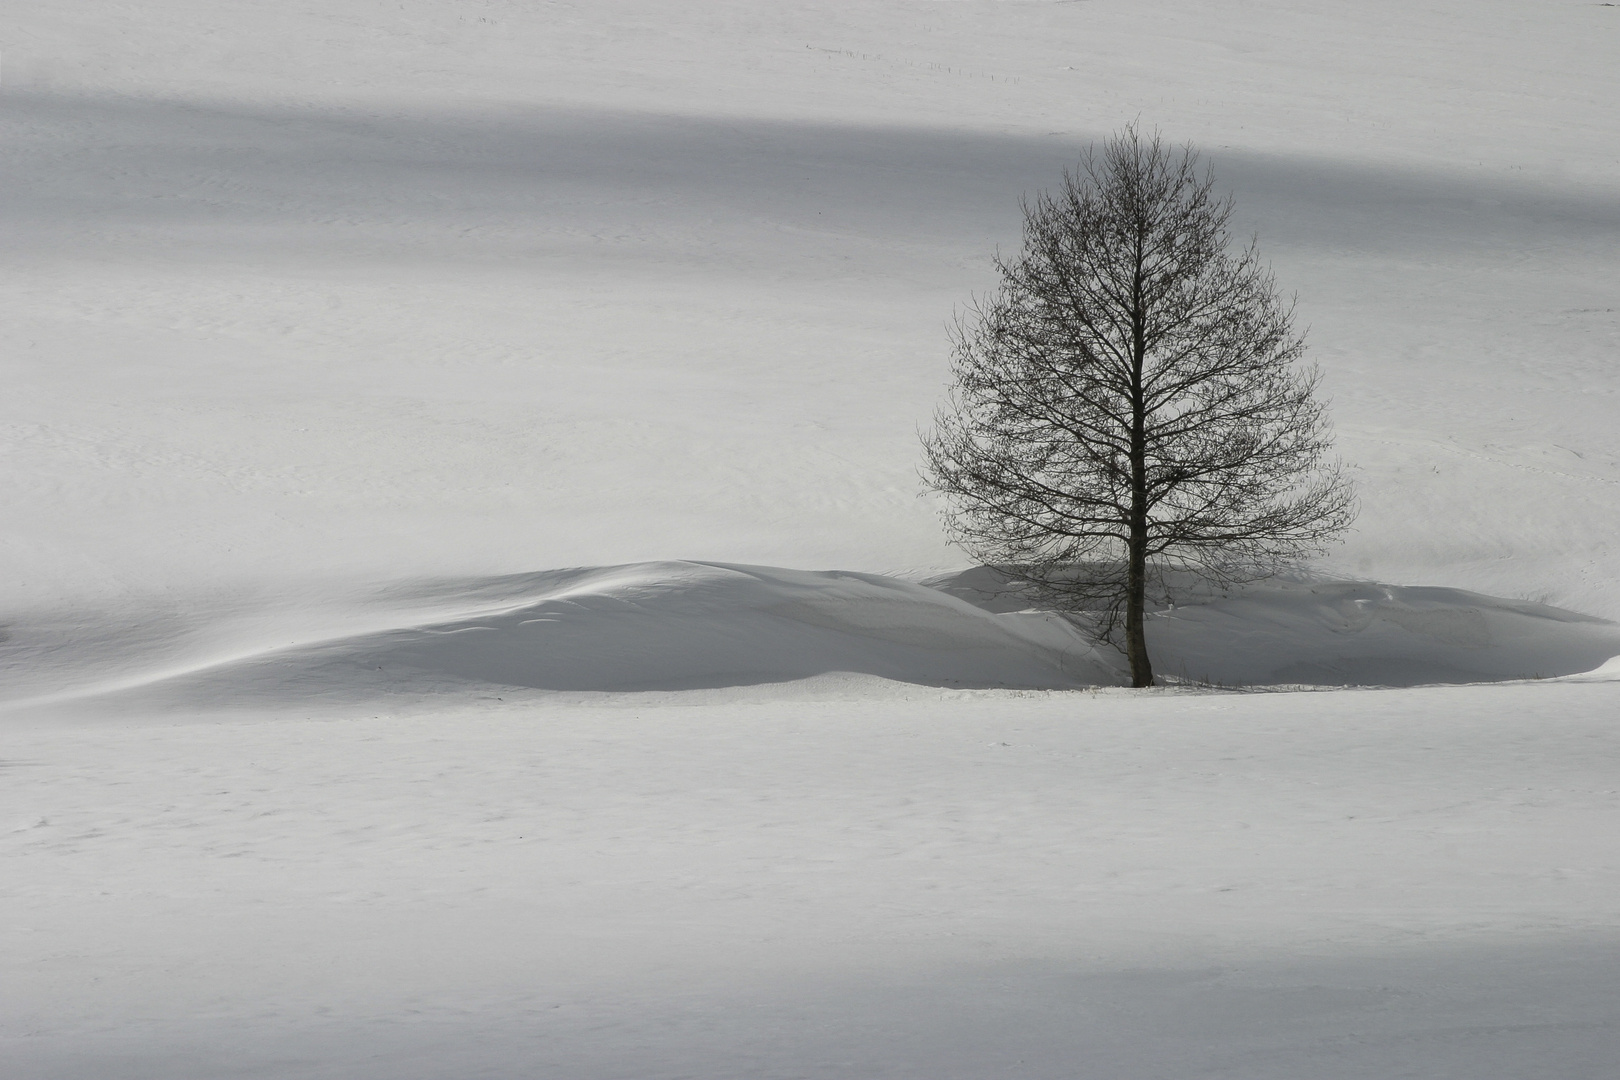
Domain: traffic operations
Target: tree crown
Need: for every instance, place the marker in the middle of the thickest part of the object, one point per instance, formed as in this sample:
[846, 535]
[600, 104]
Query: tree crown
[1131, 399]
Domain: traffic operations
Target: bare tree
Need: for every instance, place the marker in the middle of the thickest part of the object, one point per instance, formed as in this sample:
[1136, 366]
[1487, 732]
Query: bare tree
[1131, 403]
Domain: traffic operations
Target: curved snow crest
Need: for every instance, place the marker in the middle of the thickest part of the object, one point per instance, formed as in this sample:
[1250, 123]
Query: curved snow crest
[666, 626]
[1367, 634]
[1351, 633]
[1609, 671]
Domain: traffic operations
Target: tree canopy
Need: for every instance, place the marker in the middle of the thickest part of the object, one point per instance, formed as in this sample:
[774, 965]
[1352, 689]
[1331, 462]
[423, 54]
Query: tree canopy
[1132, 400]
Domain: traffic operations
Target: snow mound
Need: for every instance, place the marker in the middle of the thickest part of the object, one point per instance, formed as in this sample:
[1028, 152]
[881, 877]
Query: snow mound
[1284, 632]
[1608, 672]
[653, 626]
[668, 626]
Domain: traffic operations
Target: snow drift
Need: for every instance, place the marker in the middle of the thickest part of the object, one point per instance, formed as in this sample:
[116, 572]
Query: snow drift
[647, 626]
[1363, 633]
[1346, 633]
[692, 625]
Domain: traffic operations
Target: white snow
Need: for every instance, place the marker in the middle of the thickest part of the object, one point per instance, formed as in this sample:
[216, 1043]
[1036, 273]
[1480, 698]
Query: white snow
[380, 289]
[687, 626]
[337, 333]
[929, 884]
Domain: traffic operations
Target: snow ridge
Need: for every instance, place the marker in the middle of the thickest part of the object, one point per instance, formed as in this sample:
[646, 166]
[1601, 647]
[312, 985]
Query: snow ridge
[680, 626]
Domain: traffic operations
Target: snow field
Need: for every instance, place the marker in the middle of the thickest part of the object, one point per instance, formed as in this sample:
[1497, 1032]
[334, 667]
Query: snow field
[387, 290]
[334, 330]
[920, 884]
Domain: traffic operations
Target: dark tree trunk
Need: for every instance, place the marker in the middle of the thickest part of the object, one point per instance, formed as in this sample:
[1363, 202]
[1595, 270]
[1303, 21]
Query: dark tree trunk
[1136, 650]
[1135, 639]
[1136, 596]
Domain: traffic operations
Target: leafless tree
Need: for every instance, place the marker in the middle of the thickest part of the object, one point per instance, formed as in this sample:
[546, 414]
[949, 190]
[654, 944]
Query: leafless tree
[1130, 404]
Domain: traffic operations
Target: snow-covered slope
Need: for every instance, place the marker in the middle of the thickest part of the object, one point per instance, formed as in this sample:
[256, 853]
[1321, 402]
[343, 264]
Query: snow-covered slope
[397, 289]
[658, 626]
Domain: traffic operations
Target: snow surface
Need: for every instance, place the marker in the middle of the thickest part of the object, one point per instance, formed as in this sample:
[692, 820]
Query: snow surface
[926, 884]
[685, 626]
[384, 288]
[336, 332]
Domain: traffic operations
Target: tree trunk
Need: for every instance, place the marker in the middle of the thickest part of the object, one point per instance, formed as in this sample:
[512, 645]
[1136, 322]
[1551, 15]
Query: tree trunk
[1136, 581]
[1136, 549]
